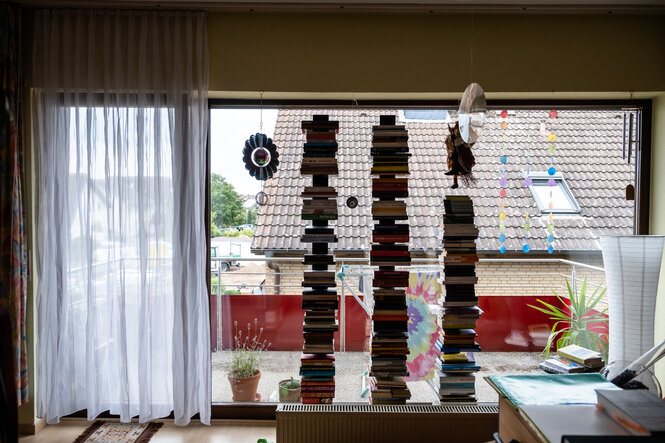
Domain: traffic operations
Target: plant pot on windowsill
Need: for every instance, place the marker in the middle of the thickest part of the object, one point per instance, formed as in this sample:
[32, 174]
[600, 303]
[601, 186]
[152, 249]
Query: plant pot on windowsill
[288, 393]
[244, 388]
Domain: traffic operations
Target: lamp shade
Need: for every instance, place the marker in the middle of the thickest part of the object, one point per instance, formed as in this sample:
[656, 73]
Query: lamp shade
[632, 267]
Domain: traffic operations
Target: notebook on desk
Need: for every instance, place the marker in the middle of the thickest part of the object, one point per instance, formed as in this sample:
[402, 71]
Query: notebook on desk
[549, 389]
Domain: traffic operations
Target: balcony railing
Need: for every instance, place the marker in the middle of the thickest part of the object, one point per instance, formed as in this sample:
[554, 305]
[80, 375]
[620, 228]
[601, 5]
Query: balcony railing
[500, 282]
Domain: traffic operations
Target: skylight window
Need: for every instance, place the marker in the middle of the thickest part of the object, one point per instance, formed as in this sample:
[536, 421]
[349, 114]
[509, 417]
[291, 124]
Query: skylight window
[425, 115]
[561, 199]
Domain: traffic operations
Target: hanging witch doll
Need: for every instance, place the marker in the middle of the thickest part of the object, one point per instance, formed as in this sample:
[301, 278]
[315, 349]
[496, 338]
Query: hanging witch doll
[460, 157]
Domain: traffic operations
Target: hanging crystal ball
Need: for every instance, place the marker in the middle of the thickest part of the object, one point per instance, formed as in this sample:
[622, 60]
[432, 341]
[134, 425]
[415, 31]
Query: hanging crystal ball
[260, 157]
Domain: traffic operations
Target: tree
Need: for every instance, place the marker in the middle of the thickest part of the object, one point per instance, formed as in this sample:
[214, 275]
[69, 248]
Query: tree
[251, 215]
[214, 230]
[225, 203]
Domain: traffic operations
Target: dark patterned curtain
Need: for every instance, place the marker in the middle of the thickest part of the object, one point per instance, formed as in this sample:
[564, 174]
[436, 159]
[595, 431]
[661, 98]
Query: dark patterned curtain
[13, 253]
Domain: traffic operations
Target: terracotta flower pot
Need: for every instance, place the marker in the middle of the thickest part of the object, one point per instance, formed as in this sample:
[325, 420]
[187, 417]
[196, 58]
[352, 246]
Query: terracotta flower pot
[244, 389]
[288, 395]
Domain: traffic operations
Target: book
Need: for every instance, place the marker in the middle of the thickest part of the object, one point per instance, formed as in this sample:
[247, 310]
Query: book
[320, 125]
[583, 356]
[319, 191]
[639, 411]
[559, 365]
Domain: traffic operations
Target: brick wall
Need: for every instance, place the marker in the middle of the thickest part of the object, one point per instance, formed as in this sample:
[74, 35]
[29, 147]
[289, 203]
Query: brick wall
[292, 275]
[533, 279]
[494, 279]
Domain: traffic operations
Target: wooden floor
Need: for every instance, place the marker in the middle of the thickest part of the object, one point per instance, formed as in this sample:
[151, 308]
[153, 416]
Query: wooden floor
[219, 431]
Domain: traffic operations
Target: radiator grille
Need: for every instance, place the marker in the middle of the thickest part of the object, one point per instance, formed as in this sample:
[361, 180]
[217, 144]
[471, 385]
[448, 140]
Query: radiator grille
[406, 409]
[298, 423]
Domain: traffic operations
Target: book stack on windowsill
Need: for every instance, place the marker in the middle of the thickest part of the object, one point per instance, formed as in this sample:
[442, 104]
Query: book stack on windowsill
[573, 359]
[389, 349]
[454, 379]
[319, 296]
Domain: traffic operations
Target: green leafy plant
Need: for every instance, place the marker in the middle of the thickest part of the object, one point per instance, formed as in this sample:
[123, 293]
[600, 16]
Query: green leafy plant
[577, 319]
[242, 233]
[247, 351]
[291, 384]
[213, 284]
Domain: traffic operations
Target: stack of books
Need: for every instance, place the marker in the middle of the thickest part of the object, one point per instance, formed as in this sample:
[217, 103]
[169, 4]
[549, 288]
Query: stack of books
[389, 349]
[454, 379]
[319, 296]
[573, 359]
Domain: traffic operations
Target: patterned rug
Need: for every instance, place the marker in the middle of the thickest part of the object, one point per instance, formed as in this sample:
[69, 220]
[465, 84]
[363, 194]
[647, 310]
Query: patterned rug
[114, 432]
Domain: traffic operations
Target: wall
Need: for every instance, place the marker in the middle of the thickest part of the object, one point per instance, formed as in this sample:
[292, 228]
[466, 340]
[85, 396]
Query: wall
[292, 275]
[495, 279]
[435, 53]
[657, 219]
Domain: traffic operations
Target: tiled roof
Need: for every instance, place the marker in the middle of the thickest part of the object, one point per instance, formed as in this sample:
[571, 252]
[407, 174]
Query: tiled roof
[588, 154]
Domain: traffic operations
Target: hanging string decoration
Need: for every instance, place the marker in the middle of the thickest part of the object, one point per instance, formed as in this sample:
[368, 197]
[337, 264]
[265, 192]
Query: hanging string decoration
[551, 138]
[503, 183]
[260, 156]
[527, 182]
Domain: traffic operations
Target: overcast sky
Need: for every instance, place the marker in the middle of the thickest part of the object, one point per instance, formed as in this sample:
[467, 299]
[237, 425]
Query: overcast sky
[229, 128]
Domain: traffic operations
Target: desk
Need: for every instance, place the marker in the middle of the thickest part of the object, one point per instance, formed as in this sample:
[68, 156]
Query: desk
[534, 409]
[548, 423]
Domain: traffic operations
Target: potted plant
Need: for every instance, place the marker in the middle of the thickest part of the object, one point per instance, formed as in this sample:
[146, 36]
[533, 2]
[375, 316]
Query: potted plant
[578, 320]
[289, 391]
[243, 367]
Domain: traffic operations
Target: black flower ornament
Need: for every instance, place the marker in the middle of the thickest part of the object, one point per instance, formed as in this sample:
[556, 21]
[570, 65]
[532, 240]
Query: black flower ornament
[260, 156]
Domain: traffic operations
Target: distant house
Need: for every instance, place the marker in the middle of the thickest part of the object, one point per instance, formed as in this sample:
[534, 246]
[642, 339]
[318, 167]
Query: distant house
[249, 203]
[589, 192]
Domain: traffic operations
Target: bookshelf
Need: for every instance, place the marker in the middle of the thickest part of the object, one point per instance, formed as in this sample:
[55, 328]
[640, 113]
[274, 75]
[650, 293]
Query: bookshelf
[319, 295]
[390, 248]
[454, 378]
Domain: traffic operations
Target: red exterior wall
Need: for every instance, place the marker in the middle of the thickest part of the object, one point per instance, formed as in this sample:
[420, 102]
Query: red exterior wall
[281, 317]
[507, 324]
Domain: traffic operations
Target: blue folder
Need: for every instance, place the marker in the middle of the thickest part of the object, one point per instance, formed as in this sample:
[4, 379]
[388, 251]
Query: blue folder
[550, 389]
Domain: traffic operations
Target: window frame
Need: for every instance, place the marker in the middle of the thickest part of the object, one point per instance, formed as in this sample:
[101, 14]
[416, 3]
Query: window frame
[642, 159]
[403, 118]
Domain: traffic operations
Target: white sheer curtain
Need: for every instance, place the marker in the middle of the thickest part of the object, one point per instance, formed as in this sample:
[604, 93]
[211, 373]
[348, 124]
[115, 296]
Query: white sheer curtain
[120, 122]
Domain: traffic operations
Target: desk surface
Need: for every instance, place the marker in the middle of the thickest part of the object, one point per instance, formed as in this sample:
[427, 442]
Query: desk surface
[551, 422]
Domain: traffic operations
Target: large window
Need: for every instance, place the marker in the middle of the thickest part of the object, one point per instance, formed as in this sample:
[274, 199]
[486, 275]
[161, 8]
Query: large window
[256, 253]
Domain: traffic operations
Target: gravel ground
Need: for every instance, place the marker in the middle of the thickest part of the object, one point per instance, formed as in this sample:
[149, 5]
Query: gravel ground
[278, 366]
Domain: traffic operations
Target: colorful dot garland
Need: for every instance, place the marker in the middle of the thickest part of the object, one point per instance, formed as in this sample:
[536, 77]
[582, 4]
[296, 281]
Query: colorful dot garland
[551, 183]
[527, 182]
[503, 182]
